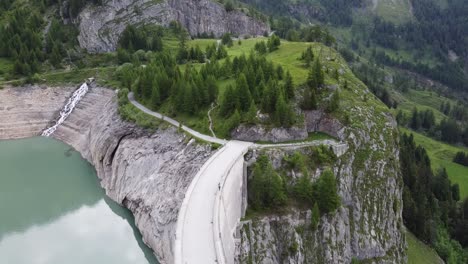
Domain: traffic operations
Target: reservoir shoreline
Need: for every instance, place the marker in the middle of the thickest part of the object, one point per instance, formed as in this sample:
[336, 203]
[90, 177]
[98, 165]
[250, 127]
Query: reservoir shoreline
[146, 172]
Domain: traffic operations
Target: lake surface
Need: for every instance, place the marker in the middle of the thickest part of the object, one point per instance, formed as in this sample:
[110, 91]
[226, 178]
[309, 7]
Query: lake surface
[53, 211]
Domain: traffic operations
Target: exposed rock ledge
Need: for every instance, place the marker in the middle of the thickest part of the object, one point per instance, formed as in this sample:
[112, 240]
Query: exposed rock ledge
[148, 173]
[315, 121]
[101, 26]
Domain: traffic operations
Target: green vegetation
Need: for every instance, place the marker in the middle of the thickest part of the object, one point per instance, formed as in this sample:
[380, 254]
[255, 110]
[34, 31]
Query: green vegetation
[130, 113]
[266, 189]
[441, 155]
[432, 210]
[420, 253]
[461, 158]
[270, 190]
[246, 84]
[397, 12]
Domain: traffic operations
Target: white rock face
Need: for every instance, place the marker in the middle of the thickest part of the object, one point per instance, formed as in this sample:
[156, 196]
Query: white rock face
[101, 26]
[146, 172]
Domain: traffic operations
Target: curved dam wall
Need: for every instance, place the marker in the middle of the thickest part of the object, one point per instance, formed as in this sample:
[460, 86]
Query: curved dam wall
[147, 172]
[230, 206]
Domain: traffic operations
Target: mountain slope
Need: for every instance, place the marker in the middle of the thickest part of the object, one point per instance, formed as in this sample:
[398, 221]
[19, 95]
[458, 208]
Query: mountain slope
[100, 26]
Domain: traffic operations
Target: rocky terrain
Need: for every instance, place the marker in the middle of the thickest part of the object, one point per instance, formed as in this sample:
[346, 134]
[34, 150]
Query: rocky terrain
[146, 172]
[101, 26]
[23, 115]
[314, 121]
[369, 224]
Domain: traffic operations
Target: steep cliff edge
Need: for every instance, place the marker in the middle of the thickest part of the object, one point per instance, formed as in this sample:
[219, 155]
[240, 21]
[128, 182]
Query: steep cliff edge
[147, 172]
[101, 26]
[368, 226]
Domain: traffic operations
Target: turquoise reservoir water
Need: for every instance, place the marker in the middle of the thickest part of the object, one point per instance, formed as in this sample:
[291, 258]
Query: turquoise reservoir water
[53, 211]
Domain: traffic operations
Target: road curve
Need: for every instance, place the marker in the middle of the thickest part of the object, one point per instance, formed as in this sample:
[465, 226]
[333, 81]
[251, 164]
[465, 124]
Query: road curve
[175, 123]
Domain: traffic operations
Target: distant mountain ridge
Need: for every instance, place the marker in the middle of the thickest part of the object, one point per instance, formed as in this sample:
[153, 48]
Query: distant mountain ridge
[100, 26]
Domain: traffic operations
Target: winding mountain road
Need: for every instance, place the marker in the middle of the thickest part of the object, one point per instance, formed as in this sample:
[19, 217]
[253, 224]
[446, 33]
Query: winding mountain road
[175, 123]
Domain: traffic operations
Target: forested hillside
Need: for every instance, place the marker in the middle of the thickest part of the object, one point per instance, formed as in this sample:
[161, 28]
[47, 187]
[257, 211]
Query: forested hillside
[33, 34]
[428, 44]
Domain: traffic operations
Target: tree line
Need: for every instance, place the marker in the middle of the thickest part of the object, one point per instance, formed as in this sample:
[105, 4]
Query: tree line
[432, 209]
[22, 40]
[461, 158]
[448, 130]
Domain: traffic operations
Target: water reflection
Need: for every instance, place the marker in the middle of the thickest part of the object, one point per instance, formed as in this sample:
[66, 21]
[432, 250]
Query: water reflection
[53, 211]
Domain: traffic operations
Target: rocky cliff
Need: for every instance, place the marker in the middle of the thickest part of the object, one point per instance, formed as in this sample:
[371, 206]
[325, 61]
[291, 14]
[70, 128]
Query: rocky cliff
[148, 172]
[101, 26]
[368, 226]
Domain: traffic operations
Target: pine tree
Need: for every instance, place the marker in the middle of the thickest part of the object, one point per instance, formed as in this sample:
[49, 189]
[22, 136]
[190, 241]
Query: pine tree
[229, 102]
[283, 112]
[311, 79]
[182, 53]
[273, 43]
[303, 189]
[266, 188]
[334, 103]
[309, 101]
[316, 76]
[55, 57]
[276, 193]
[256, 188]
[155, 98]
[315, 220]
[251, 115]
[212, 88]
[289, 86]
[270, 97]
[261, 47]
[243, 93]
[328, 198]
[308, 56]
[188, 104]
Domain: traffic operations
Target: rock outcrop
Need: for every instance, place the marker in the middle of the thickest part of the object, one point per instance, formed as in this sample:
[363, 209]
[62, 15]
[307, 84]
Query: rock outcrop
[256, 133]
[319, 121]
[101, 26]
[148, 172]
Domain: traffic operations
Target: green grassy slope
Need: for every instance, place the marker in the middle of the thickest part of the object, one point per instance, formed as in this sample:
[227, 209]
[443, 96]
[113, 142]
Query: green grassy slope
[395, 11]
[288, 55]
[422, 100]
[441, 155]
[420, 253]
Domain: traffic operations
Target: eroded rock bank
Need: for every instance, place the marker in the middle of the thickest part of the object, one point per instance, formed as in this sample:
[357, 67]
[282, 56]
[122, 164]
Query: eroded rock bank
[146, 172]
[101, 26]
[26, 111]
